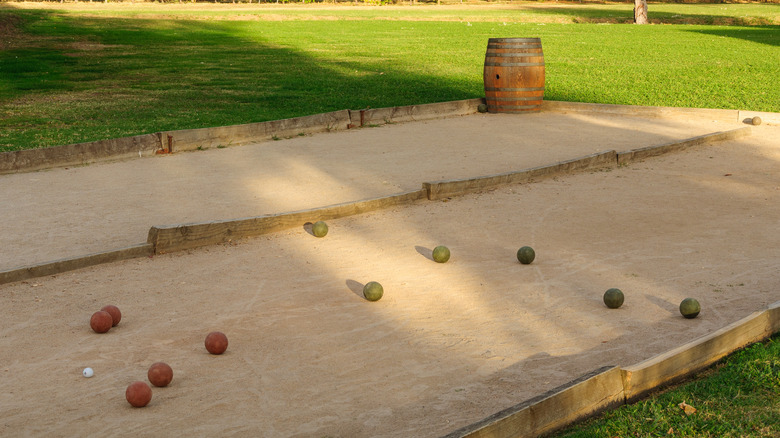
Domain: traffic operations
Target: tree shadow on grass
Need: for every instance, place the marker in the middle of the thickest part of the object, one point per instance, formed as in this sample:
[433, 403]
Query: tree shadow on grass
[96, 77]
[769, 35]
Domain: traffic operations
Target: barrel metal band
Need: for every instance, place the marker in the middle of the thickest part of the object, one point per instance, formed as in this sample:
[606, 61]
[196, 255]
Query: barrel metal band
[514, 46]
[514, 89]
[513, 55]
[514, 64]
[512, 99]
[514, 40]
[512, 106]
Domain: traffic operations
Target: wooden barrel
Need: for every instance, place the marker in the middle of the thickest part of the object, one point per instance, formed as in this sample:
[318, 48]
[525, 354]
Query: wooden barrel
[514, 75]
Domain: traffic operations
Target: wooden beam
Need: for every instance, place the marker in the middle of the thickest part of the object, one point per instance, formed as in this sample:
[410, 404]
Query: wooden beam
[169, 238]
[455, 187]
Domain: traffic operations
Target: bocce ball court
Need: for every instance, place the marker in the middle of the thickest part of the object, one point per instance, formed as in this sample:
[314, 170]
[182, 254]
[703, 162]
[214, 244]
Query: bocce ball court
[449, 344]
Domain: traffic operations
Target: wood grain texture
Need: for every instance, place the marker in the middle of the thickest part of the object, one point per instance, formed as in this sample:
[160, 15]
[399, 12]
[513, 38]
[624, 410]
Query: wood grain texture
[169, 238]
[585, 396]
[447, 188]
[680, 362]
[191, 139]
[410, 113]
[651, 151]
[78, 153]
[70, 264]
[610, 386]
[641, 111]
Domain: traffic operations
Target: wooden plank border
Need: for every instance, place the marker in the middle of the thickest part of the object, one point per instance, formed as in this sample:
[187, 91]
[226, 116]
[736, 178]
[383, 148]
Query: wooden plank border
[641, 111]
[456, 187]
[411, 113]
[666, 368]
[583, 397]
[652, 151]
[168, 141]
[234, 135]
[169, 238]
[78, 154]
[608, 387]
[73, 263]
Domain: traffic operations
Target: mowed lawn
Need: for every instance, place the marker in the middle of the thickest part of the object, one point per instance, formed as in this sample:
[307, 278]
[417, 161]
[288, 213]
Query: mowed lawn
[80, 72]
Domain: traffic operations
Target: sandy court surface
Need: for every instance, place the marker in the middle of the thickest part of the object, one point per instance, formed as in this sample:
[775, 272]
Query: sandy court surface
[62, 213]
[448, 344]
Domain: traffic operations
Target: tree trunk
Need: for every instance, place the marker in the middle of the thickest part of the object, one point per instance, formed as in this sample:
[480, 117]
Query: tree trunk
[640, 11]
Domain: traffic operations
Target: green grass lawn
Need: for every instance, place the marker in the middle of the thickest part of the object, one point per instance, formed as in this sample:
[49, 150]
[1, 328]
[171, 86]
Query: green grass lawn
[73, 73]
[736, 398]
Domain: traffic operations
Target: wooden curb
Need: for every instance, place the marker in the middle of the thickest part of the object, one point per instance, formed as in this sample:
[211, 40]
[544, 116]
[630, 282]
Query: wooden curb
[234, 135]
[664, 369]
[410, 113]
[78, 154]
[609, 387]
[73, 263]
[652, 151]
[456, 187]
[642, 111]
[585, 396]
[447, 188]
[168, 142]
[171, 238]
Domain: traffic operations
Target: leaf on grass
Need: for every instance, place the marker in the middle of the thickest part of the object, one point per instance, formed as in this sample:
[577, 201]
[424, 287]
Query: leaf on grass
[687, 408]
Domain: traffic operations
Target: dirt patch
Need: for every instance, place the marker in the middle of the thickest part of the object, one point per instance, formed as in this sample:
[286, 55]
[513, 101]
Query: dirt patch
[90, 47]
[86, 48]
[9, 30]
[85, 97]
[9, 25]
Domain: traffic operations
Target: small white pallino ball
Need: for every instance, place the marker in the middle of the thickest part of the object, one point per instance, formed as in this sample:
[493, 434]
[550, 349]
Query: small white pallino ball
[88, 372]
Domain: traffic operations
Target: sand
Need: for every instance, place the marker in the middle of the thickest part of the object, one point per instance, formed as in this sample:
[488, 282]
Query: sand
[447, 345]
